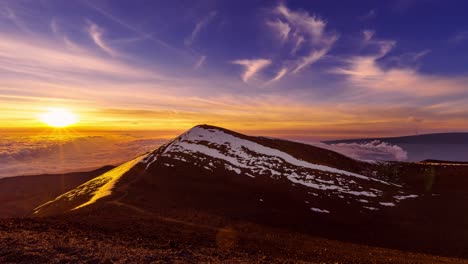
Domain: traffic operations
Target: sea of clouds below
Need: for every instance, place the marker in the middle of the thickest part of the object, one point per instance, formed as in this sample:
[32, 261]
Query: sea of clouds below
[38, 154]
[375, 150]
[32, 155]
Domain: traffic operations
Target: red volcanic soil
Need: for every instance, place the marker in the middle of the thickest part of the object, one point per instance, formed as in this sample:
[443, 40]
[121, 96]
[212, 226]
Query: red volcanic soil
[165, 240]
[150, 240]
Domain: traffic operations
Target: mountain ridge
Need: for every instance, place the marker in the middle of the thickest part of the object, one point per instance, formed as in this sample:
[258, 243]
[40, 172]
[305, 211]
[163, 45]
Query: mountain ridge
[253, 157]
[210, 179]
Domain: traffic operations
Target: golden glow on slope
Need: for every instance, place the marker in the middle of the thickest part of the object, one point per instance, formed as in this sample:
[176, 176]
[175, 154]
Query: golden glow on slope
[110, 178]
[96, 188]
[58, 117]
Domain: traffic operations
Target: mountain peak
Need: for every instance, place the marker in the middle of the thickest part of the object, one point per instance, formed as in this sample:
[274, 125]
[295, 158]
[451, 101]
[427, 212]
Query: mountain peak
[221, 159]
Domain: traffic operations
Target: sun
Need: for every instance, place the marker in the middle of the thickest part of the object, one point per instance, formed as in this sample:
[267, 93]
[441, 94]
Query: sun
[58, 117]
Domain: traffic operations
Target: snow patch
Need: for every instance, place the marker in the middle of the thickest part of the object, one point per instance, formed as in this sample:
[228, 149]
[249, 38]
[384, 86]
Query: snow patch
[403, 197]
[318, 210]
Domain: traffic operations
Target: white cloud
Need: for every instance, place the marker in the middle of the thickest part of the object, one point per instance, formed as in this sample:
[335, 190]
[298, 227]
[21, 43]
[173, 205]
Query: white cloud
[313, 57]
[198, 27]
[308, 32]
[303, 21]
[366, 72]
[281, 73]
[281, 28]
[252, 67]
[52, 154]
[96, 34]
[370, 151]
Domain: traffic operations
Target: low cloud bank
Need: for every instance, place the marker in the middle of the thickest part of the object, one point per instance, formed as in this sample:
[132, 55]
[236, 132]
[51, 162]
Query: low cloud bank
[370, 151]
[30, 155]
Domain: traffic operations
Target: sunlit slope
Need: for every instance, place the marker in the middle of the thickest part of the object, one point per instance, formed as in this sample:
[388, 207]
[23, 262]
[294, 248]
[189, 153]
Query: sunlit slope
[89, 192]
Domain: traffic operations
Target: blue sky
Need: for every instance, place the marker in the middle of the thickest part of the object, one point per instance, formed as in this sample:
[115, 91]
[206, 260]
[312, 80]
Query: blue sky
[330, 68]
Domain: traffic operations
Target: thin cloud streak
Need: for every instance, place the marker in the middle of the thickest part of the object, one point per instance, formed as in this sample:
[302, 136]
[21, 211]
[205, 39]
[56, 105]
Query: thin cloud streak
[200, 62]
[281, 73]
[313, 57]
[199, 27]
[96, 34]
[365, 72]
[128, 26]
[50, 60]
[252, 67]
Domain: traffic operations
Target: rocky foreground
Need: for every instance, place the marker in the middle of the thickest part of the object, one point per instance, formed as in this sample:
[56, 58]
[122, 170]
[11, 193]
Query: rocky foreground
[65, 241]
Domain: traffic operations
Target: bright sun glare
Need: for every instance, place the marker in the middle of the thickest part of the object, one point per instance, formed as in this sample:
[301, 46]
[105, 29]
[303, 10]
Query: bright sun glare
[58, 117]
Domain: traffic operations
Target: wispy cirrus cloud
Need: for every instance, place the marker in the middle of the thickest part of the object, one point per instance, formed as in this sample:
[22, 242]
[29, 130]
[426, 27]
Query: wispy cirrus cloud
[305, 33]
[96, 33]
[139, 32]
[252, 67]
[280, 74]
[365, 71]
[45, 59]
[281, 28]
[199, 27]
[302, 20]
[311, 58]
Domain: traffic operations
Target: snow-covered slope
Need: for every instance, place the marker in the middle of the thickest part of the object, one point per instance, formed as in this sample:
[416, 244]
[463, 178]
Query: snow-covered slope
[211, 148]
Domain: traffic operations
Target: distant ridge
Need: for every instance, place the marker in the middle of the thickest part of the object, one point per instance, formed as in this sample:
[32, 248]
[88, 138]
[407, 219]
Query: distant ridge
[442, 162]
[439, 146]
[435, 138]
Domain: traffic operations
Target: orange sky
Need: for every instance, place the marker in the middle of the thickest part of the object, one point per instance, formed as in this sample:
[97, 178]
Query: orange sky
[111, 86]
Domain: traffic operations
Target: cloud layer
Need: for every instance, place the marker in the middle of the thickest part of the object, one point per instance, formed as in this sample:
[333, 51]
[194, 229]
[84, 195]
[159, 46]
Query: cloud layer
[372, 151]
[21, 154]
